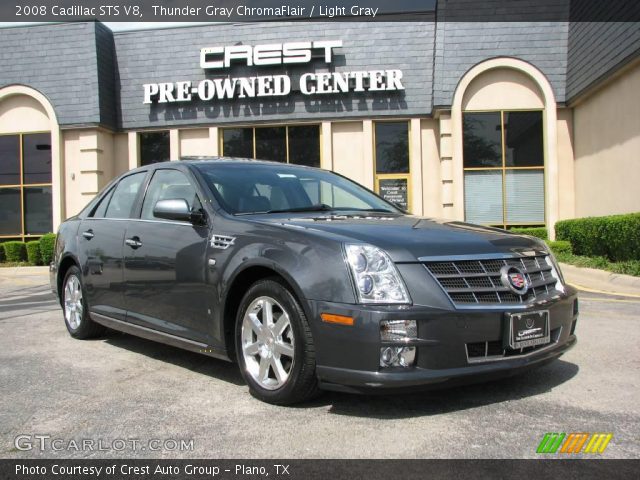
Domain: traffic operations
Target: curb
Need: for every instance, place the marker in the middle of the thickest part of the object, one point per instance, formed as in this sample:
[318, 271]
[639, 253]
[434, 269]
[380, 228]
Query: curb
[601, 280]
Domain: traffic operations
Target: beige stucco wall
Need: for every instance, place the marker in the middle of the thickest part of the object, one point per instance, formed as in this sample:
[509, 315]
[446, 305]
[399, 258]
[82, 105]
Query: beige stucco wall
[195, 142]
[431, 175]
[607, 148]
[566, 179]
[89, 164]
[23, 114]
[348, 152]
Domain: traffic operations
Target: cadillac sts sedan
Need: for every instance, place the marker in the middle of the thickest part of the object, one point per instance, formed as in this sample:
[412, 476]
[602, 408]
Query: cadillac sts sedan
[308, 280]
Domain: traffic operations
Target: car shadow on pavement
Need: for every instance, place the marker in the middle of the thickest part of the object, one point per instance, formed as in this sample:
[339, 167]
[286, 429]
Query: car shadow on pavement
[211, 367]
[385, 407]
[445, 400]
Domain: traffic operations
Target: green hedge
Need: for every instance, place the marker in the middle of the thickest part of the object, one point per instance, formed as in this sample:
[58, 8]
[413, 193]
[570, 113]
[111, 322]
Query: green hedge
[539, 232]
[560, 247]
[2, 256]
[47, 246]
[15, 251]
[616, 237]
[33, 253]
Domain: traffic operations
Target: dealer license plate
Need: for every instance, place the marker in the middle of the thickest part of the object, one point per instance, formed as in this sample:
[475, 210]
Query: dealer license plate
[529, 329]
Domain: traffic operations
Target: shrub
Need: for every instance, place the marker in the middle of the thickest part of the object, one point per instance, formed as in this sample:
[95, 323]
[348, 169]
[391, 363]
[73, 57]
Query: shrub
[2, 256]
[539, 232]
[560, 247]
[47, 246]
[15, 251]
[33, 253]
[616, 237]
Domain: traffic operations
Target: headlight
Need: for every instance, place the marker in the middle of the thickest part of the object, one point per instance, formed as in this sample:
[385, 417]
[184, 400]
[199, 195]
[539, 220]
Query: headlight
[376, 277]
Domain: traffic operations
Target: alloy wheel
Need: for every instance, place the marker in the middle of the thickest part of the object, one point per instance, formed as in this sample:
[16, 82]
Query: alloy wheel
[73, 307]
[267, 343]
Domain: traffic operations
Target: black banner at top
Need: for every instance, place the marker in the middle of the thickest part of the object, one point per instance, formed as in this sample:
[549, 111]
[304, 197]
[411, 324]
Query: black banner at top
[319, 10]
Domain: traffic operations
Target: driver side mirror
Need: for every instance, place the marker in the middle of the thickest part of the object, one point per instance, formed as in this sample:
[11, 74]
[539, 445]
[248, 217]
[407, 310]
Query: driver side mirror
[173, 209]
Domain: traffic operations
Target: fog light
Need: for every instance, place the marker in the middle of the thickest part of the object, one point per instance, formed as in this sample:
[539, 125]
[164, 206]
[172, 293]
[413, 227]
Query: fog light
[398, 330]
[397, 356]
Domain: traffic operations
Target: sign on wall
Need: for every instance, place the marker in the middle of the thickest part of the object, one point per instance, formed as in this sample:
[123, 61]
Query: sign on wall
[311, 83]
[395, 190]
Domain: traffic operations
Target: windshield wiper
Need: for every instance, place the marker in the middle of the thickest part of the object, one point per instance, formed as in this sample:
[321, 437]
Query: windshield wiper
[320, 207]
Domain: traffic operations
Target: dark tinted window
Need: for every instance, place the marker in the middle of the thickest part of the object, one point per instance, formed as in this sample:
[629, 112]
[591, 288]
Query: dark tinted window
[482, 140]
[167, 185]
[9, 159]
[238, 142]
[154, 147]
[392, 147]
[10, 221]
[37, 210]
[37, 158]
[124, 196]
[101, 209]
[523, 139]
[271, 143]
[304, 145]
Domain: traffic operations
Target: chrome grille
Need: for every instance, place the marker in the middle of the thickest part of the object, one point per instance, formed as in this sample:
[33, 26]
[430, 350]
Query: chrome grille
[469, 282]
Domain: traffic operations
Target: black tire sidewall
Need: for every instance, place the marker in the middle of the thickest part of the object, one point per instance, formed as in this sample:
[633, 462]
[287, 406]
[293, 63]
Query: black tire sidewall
[290, 391]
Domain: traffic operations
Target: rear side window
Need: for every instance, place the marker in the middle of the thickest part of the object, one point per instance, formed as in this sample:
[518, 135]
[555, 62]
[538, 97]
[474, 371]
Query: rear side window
[168, 185]
[124, 196]
[101, 209]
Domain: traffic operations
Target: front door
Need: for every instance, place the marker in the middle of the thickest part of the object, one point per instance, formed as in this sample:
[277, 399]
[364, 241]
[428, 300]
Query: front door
[165, 264]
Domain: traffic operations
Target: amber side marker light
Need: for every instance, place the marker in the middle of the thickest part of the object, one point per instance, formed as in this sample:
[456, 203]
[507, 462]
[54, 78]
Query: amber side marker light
[339, 319]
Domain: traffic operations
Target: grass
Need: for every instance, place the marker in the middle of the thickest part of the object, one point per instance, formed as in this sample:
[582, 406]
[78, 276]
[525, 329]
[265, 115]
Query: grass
[630, 267]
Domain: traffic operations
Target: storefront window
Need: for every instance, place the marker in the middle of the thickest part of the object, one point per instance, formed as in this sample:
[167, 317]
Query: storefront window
[504, 168]
[25, 185]
[392, 162]
[288, 144]
[154, 147]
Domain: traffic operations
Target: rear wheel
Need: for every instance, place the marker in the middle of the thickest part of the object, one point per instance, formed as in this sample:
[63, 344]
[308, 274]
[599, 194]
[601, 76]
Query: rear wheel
[74, 305]
[274, 345]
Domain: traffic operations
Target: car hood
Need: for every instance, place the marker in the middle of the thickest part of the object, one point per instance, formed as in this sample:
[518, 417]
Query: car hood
[407, 238]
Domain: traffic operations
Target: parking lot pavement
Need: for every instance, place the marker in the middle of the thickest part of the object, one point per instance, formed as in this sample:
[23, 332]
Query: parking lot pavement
[123, 388]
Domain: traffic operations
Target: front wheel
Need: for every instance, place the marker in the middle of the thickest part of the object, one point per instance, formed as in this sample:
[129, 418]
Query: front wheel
[74, 305]
[274, 345]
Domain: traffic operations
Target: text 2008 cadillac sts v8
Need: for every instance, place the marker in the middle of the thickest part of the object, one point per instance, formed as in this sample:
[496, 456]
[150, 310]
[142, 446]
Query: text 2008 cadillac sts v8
[308, 280]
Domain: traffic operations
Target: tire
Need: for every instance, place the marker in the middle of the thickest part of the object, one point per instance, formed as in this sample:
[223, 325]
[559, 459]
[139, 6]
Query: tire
[285, 345]
[74, 307]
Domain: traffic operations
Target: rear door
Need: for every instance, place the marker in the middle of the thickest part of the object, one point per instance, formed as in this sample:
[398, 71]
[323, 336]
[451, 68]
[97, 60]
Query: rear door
[100, 239]
[165, 264]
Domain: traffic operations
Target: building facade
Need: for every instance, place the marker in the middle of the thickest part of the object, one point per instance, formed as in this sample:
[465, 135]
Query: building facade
[504, 124]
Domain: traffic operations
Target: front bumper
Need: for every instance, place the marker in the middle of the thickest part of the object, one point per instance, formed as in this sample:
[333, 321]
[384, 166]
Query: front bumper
[348, 356]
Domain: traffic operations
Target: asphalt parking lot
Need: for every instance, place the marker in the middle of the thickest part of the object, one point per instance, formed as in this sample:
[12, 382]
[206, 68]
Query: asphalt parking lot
[123, 388]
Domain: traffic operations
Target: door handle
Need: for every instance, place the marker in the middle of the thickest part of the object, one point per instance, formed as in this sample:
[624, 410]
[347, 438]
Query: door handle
[133, 242]
[88, 234]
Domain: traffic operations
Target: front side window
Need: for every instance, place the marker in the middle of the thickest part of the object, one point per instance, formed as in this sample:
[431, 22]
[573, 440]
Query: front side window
[167, 185]
[25, 185]
[392, 162]
[299, 144]
[154, 147]
[504, 168]
[259, 188]
[124, 196]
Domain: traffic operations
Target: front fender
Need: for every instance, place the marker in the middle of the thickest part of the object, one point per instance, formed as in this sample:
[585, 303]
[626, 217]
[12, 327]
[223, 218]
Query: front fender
[315, 270]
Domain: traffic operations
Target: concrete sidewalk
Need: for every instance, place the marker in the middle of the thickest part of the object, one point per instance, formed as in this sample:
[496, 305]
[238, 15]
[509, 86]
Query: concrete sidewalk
[600, 280]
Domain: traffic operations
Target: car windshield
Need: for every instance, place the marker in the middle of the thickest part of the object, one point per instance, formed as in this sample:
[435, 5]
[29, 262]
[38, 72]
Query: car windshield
[246, 188]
